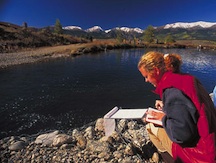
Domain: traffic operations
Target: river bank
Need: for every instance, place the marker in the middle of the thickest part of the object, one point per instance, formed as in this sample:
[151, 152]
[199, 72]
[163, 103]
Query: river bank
[44, 53]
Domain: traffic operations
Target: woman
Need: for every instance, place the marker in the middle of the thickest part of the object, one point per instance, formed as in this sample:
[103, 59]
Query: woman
[173, 62]
[188, 117]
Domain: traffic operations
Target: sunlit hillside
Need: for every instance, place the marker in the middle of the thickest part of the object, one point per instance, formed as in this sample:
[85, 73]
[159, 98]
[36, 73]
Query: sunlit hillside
[14, 37]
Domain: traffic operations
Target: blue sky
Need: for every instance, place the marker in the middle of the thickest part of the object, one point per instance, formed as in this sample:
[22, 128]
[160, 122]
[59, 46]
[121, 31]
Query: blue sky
[106, 13]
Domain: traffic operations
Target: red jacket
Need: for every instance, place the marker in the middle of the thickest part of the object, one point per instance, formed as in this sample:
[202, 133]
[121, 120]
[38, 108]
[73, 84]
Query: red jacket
[204, 151]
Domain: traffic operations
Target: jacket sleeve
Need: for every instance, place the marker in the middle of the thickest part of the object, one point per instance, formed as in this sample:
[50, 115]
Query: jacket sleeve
[180, 121]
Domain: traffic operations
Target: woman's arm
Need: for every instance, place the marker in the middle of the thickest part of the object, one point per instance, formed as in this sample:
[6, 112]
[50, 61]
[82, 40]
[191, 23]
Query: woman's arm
[180, 121]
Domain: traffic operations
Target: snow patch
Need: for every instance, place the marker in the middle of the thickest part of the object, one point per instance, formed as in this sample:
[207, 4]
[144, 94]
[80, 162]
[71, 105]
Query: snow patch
[190, 25]
[72, 27]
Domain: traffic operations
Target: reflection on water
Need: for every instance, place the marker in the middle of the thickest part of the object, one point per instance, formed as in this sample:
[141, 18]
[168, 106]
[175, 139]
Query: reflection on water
[201, 64]
[67, 93]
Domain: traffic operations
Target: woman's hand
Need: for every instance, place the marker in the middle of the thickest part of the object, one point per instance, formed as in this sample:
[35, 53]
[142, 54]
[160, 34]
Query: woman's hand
[159, 104]
[156, 115]
[144, 119]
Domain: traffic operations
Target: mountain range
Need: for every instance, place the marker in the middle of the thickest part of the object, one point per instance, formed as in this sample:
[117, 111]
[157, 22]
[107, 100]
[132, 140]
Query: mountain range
[199, 24]
[14, 37]
[179, 30]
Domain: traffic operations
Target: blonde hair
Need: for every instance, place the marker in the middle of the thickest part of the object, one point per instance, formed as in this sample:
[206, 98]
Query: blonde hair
[151, 60]
[173, 62]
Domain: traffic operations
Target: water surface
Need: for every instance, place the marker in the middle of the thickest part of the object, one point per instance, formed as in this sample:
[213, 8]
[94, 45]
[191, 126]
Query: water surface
[70, 92]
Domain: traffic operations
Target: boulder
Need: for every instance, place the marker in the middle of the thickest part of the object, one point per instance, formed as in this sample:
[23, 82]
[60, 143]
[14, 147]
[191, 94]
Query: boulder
[61, 139]
[17, 146]
[46, 139]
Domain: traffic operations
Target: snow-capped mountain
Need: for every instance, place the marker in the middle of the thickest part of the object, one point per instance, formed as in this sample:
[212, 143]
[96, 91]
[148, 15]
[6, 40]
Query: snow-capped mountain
[201, 24]
[94, 29]
[72, 28]
[184, 25]
[126, 29]
[179, 30]
[99, 29]
[138, 30]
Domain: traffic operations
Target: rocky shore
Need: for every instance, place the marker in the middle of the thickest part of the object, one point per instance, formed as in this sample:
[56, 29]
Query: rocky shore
[129, 143]
[26, 56]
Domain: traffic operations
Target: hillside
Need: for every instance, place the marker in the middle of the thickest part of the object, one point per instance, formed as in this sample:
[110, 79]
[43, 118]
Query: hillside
[187, 34]
[14, 37]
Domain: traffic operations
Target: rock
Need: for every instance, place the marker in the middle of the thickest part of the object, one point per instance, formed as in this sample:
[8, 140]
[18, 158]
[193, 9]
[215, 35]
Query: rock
[116, 136]
[75, 134]
[121, 125]
[99, 125]
[117, 154]
[89, 132]
[104, 155]
[128, 160]
[17, 146]
[12, 138]
[129, 150]
[61, 139]
[106, 139]
[66, 146]
[46, 139]
[81, 141]
[24, 139]
[96, 146]
[132, 125]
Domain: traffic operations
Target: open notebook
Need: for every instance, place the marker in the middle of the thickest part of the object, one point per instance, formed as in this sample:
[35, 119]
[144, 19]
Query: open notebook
[117, 113]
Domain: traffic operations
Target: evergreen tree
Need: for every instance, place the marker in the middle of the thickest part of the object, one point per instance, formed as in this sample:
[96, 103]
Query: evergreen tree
[25, 25]
[134, 41]
[169, 39]
[58, 27]
[149, 34]
[119, 36]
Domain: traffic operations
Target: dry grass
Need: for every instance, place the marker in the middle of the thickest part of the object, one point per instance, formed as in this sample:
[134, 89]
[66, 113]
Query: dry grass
[195, 43]
[38, 54]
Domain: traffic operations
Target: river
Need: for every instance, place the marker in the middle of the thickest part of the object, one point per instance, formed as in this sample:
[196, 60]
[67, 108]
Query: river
[68, 93]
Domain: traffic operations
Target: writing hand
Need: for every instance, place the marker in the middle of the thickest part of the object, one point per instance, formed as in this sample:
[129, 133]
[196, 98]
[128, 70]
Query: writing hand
[159, 104]
[156, 115]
